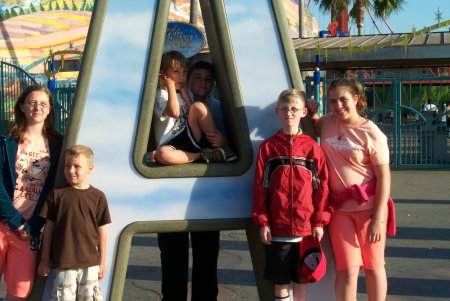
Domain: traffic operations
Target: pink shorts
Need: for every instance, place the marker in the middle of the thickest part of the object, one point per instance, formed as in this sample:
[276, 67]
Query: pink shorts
[348, 234]
[18, 257]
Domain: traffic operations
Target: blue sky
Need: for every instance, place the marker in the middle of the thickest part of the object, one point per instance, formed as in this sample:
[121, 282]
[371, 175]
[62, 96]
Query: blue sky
[418, 13]
[111, 113]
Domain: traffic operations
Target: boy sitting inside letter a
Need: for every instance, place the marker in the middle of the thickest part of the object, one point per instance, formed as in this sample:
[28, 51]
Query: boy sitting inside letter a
[75, 231]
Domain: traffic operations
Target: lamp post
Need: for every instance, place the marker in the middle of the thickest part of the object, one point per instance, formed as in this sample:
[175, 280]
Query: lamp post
[301, 18]
[193, 14]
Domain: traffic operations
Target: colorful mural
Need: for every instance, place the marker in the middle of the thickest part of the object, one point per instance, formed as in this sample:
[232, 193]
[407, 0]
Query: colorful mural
[30, 29]
[179, 11]
[310, 28]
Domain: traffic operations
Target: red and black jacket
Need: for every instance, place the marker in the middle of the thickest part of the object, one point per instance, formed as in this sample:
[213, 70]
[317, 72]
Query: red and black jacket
[290, 191]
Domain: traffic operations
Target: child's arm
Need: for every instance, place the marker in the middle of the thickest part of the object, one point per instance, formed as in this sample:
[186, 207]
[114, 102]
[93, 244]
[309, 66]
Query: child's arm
[44, 265]
[322, 210]
[23, 234]
[382, 191]
[102, 251]
[185, 94]
[260, 199]
[173, 107]
[313, 106]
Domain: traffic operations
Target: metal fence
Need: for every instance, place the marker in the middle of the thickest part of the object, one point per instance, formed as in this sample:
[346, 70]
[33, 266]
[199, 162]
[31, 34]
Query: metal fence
[417, 137]
[63, 96]
[417, 131]
[12, 82]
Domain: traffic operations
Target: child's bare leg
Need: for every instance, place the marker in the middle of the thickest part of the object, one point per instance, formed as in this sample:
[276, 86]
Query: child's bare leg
[376, 284]
[300, 291]
[166, 155]
[281, 291]
[200, 120]
[346, 284]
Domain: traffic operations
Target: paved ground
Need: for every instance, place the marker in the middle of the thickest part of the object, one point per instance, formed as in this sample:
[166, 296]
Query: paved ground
[418, 258]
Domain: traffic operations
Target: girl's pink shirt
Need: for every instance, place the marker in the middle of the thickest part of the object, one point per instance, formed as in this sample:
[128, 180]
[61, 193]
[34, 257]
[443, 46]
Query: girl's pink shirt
[350, 158]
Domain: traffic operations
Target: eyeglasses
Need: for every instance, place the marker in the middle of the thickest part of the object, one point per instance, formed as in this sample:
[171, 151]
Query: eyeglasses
[42, 105]
[289, 108]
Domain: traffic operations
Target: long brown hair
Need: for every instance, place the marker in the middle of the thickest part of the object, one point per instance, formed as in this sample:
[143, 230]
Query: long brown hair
[17, 131]
[354, 88]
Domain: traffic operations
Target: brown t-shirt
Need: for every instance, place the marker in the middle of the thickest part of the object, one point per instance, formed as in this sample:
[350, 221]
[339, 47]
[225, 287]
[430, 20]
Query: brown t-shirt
[77, 214]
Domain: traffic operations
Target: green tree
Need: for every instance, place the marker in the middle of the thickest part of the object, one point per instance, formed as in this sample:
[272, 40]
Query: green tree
[381, 8]
[13, 12]
[90, 6]
[57, 6]
[74, 7]
[21, 11]
[83, 5]
[65, 7]
[41, 7]
[31, 8]
[6, 14]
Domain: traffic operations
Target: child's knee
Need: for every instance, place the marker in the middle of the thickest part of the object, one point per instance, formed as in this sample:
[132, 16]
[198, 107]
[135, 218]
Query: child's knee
[281, 291]
[349, 275]
[164, 155]
[198, 109]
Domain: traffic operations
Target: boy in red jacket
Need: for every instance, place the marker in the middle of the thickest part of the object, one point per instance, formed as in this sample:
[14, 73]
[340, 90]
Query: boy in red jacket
[290, 195]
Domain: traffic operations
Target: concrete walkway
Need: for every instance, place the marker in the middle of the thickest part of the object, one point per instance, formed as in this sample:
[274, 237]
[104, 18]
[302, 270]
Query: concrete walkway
[418, 258]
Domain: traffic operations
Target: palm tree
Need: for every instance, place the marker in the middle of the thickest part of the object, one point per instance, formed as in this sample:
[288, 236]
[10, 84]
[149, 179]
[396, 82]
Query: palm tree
[381, 8]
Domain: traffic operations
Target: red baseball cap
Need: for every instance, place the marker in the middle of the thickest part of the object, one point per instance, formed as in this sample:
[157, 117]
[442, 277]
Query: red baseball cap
[312, 264]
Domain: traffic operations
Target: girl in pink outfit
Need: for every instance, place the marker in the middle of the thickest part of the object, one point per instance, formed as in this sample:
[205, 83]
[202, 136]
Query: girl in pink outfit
[357, 156]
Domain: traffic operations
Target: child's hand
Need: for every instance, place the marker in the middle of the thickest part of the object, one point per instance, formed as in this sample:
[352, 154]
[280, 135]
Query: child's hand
[317, 233]
[266, 235]
[44, 268]
[101, 272]
[312, 105]
[375, 231]
[185, 94]
[217, 139]
[168, 82]
[22, 233]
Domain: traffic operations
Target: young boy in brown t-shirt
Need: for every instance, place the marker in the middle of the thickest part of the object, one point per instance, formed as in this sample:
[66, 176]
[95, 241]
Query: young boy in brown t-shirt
[75, 231]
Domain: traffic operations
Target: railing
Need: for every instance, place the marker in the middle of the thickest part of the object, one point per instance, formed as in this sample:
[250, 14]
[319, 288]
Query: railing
[416, 137]
[13, 80]
[63, 96]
